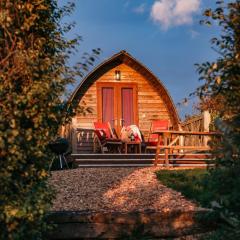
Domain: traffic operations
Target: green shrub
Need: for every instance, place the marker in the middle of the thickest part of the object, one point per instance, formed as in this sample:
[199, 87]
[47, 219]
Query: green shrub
[222, 81]
[221, 86]
[34, 73]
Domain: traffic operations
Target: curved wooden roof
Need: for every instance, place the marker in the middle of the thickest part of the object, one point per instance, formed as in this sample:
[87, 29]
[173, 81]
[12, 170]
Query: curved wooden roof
[126, 58]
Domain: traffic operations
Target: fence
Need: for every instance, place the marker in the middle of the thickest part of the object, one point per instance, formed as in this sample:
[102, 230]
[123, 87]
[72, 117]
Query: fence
[199, 123]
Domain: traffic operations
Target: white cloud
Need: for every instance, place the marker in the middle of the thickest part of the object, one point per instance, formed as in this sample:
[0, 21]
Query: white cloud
[140, 9]
[170, 13]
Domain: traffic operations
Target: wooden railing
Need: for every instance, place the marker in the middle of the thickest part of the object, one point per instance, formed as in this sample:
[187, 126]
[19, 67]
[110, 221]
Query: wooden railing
[199, 123]
[81, 139]
[177, 142]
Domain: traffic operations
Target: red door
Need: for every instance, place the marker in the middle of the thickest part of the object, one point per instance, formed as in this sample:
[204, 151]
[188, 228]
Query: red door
[117, 104]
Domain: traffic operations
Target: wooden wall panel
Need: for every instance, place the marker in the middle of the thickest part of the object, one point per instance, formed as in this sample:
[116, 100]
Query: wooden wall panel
[151, 105]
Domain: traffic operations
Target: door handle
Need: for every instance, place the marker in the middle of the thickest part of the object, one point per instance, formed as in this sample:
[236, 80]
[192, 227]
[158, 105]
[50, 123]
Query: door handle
[121, 122]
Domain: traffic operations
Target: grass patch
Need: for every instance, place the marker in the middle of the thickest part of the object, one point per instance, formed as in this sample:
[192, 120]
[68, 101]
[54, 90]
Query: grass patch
[203, 188]
[191, 183]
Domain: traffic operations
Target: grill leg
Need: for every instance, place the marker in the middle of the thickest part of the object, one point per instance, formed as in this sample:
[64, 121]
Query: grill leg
[50, 166]
[65, 160]
[60, 161]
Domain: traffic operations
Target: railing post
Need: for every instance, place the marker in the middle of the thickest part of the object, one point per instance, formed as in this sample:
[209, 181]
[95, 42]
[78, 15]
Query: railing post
[157, 151]
[181, 138]
[74, 135]
[167, 157]
[206, 124]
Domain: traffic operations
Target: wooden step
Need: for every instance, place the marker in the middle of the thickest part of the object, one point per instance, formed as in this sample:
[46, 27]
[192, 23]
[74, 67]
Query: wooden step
[114, 161]
[200, 165]
[141, 160]
[138, 160]
[140, 156]
[113, 156]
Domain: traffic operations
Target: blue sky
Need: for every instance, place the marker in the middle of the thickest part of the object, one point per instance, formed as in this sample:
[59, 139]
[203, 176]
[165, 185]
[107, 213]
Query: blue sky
[165, 35]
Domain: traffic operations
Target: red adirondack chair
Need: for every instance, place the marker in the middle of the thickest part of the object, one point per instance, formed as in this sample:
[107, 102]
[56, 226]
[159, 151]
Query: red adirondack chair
[105, 137]
[153, 138]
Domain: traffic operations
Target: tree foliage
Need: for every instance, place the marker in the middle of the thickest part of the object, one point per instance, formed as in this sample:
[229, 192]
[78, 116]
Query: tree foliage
[221, 91]
[34, 73]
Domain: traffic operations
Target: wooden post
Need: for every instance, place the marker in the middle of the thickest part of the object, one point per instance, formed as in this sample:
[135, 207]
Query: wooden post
[206, 124]
[74, 135]
[157, 151]
[166, 157]
[74, 140]
[95, 141]
[181, 138]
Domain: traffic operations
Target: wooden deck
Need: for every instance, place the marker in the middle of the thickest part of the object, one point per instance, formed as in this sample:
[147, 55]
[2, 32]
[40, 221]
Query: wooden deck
[175, 153]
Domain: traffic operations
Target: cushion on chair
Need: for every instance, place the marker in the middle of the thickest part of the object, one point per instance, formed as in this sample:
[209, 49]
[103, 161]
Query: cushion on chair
[100, 134]
[157, 125]
[104, 127]
[107, 132]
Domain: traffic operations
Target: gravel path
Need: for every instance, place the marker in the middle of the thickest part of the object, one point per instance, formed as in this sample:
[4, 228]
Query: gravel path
[114, 189]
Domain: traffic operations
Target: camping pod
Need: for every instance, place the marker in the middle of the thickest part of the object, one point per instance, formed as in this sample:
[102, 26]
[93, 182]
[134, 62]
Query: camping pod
[121, 91]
